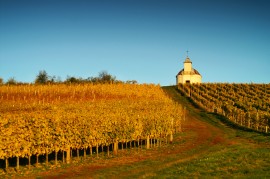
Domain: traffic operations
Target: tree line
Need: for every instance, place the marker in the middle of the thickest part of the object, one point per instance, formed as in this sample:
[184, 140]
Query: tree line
[43, 78]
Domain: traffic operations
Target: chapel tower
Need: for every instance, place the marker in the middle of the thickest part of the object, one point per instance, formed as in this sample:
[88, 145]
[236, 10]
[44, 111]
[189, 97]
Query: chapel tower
[188, 74]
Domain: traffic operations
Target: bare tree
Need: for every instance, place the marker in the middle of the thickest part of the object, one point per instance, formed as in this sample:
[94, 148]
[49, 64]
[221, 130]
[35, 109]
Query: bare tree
[11, 81]
[42, 77]
[105, 77]
[1, 81]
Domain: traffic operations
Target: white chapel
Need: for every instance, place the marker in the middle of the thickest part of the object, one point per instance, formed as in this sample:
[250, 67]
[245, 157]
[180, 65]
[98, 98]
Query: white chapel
[188, 74]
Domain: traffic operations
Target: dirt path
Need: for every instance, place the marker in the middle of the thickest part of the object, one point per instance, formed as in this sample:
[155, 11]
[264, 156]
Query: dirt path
[198, 139]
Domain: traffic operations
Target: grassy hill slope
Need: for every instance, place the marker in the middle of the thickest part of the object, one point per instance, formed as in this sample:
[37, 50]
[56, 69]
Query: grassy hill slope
[239, 153]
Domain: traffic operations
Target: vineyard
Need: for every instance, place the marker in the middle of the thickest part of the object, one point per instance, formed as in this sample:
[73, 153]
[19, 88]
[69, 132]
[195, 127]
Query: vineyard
[41, 120]
[244, 104]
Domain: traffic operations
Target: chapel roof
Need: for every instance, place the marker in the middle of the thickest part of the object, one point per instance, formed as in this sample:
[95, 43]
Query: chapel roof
[192, 72]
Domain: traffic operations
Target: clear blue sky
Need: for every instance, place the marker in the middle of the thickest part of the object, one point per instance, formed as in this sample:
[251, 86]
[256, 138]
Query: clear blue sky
[143, 40]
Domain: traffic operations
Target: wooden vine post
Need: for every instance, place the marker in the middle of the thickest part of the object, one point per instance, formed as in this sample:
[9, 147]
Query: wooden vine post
[47, 157]
[18, 163]
[55, 157]
[68, 155]
[63, 156]
[171, 137]
[29, 161]
[97, 149]
[84, 153]
[37, 159]
[115, 147]
[6, 160]
[147, 142]
[108, 150]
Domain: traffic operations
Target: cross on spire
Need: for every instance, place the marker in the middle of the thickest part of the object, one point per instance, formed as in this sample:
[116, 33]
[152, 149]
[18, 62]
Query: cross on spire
[187, 53]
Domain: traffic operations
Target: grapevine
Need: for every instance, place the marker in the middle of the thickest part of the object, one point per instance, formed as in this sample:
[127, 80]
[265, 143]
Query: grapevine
[244, 104]
[43, 119]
